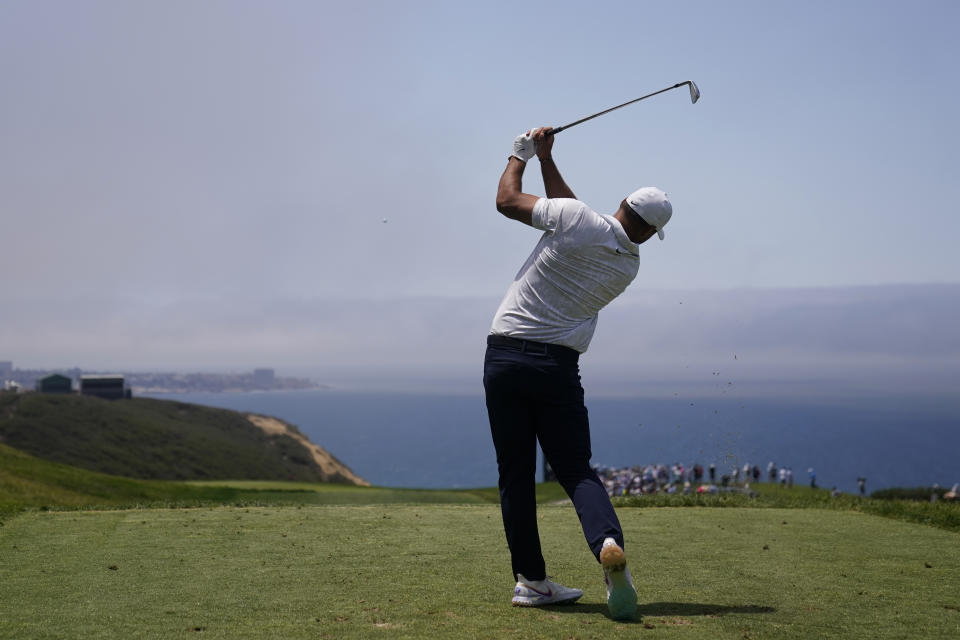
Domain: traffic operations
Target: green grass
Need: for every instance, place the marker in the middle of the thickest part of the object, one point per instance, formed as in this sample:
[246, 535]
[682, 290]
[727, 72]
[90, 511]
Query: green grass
[91, 555]
[944, 515]
[84, 556]
[319, 493]
[437, 571]
[28, 483]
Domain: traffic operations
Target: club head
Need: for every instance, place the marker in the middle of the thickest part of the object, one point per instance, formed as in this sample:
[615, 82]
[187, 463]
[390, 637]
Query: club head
[694, 92]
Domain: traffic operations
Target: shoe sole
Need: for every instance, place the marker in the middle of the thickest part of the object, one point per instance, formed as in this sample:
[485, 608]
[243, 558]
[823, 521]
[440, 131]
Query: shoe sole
[538, 603]
[622, 602]
[612, 558]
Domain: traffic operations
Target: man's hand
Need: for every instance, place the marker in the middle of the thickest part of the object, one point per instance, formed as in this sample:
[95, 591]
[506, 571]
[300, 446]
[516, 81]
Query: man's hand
[511, 201]
[544, 142]
[524, 147]
[552, 180]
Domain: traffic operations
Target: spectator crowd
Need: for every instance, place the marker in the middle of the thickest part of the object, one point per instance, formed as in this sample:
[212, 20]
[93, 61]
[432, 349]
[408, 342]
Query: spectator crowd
[674, 478]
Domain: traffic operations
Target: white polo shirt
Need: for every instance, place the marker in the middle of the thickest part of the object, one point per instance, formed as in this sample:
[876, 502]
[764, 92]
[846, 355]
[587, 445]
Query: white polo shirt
[583, 261]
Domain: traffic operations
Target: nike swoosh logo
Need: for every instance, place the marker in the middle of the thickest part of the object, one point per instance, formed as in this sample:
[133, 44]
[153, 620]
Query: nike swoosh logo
[548, 593]
[626, 253]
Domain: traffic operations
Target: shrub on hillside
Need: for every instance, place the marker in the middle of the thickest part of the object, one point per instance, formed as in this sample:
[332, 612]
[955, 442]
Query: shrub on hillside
[908, 493]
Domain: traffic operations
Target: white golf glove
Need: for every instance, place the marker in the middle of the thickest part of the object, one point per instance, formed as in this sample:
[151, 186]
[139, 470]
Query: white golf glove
[524, 147]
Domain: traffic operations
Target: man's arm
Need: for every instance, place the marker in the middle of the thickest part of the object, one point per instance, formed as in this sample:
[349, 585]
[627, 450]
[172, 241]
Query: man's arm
[511, 201]
[553, 182]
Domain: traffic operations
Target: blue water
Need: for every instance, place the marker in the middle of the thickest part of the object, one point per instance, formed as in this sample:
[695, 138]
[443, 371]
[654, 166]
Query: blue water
[443, 441]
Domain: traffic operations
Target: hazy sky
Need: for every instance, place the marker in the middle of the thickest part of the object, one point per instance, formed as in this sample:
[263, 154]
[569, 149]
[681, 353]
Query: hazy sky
[231, 157]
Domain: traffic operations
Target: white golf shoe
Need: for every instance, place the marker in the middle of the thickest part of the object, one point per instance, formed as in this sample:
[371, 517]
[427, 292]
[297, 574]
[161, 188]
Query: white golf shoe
[536, 593]
[621, 594]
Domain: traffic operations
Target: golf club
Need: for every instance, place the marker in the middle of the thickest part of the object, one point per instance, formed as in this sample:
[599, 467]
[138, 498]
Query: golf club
[694, 96]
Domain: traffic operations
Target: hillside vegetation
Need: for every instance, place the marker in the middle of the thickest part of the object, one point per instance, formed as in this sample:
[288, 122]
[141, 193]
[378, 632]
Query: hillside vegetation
[29, 484]
[163, 440]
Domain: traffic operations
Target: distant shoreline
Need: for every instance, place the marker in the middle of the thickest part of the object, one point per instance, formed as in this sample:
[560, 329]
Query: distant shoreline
[169, 391]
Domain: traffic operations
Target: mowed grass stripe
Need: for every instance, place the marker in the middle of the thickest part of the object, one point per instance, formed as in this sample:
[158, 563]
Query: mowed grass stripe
[415, 571]
[29, 483]
[327, 493]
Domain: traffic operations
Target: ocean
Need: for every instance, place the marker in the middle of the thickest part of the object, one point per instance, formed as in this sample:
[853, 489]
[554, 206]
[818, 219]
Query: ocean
[443, 440]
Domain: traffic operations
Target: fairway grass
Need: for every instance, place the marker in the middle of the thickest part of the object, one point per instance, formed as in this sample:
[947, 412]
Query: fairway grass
[29, 483]
[439, 571]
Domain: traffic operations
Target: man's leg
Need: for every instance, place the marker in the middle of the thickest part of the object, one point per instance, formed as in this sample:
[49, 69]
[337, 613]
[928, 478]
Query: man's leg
[514, 439]
[563, 429]
[564, 432]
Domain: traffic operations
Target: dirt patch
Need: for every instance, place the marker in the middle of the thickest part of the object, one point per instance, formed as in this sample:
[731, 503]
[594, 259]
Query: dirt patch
[329, 465]
[675, 622]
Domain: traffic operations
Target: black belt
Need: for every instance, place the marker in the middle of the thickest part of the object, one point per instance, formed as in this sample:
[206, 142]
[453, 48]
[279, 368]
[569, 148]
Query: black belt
[529, 346]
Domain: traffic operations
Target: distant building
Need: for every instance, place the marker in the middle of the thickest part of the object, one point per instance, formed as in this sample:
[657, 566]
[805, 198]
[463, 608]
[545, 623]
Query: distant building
[54, 383]
[108, 387]
[263, 378]
[6, 368]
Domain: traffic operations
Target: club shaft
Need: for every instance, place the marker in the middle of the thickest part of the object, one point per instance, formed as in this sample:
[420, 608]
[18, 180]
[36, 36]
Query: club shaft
[567, 126]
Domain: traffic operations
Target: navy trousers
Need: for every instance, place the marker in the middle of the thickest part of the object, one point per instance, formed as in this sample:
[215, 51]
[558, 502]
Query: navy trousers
[533, 393]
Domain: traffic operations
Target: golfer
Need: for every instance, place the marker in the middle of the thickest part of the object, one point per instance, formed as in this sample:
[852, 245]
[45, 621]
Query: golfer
[583, 260]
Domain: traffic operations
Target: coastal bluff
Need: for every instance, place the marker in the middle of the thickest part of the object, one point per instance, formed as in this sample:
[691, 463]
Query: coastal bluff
[155, 439]
[329, 465]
